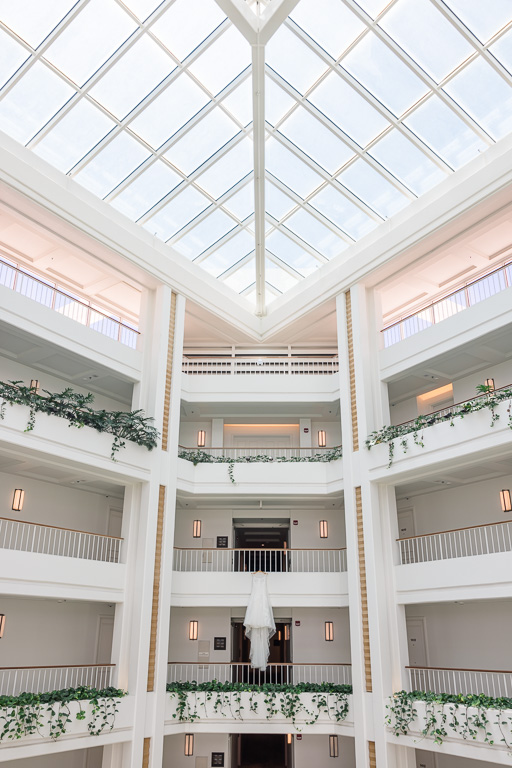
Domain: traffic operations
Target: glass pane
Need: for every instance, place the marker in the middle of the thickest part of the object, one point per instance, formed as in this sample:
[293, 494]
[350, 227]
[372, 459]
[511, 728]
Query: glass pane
[439, 127]
[407, 162]
[242, 278]
[426, 35]
[113, 164]
[146, 190]
[348, 110]
[277, 102]
[343, 212]
[373, 7]
[321, 144]
[142, 8]
[276, 202]
[232, 167]
[242, 203]
[292, 253]
[503, 50]
[182, 31]
[293, 60]
[204, 234]
[33, 20]
[239, 102]
[222, 61]
[139, 70]
[229, 254]
[178, 212]
[12, 56]
[316, 234]
[485, 95]
[174, 107]
[84, 45]
[484, 19]
[329, 23]
[74, 135]
[202, 141]
[45, 92]
[278, 277]
[289, 169]
[371, 187]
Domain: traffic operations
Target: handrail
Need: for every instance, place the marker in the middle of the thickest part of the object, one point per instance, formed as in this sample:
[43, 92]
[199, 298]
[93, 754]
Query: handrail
[261, 549]
[252, 559]
[270, 664]
[463, 669]
[60, 528]
[452, 530]
[54, 677]
[453, 405]
[58, 666]
[264, 448]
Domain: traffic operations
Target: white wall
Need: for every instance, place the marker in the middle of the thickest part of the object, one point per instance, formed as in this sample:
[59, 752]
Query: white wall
[475, 635]
[40, 632]
[79, 758]
[313, 750]
[308, 641]
[52, 504]
[213, 622]
[332, 432]
[289, 432]
[189, 430]
[204, 745]
[268, 434]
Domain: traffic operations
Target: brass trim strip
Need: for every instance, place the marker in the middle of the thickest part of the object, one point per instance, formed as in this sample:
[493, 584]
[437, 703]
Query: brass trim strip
[168, 374]
[145, 752]
[351, 372]
[372, 755]
[364, 596]
[156, 589]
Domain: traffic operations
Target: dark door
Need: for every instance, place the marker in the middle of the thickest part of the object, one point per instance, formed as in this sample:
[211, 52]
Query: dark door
[263, 542]
[278, 669]
[257, 750]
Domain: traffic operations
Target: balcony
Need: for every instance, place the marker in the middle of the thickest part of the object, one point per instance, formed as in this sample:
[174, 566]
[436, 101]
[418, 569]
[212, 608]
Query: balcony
[17, 680]
[335, 674]
[487, 539]
[260, 366]
[268, 560]
[493, 683]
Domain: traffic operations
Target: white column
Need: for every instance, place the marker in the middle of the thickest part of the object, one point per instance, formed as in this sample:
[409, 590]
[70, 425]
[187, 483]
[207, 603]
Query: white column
[217, 440]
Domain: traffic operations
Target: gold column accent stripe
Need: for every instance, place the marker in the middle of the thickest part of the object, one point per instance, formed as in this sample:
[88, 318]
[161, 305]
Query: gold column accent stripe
[364, 597]
[145, 753]
[168, 374]
[156, 589]
[351, 372]
[372, 755]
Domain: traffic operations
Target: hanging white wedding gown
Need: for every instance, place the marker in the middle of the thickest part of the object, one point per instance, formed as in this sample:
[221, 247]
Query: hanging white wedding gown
[259, 622]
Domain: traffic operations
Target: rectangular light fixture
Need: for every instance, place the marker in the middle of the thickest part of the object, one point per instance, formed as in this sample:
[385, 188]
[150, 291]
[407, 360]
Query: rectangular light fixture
[2, 625]
[189, 744]
[490, 383]
[333, 746]
[329, 631]
[286, 631]
[201, 438]
[289, 738]
[192, 630]
[506, 500]
[196, 529]
[322, 438]
[324, 529]
[18, 499]
[34, 386]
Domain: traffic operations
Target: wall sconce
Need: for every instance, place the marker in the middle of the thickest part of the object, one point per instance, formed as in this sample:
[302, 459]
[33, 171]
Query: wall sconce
[2, 625]
[324, 529]
[196, 533]
[192, 630]
[333, 746]
[490, 383]
[286, 631]
[18, 499]
[322, 438]
[289, 738]
[189, 744]
[201, 438]
[506, 501]
[329, 631]
[34, 386]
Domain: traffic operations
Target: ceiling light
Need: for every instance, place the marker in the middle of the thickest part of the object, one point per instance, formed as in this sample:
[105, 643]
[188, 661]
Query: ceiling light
[324, 532]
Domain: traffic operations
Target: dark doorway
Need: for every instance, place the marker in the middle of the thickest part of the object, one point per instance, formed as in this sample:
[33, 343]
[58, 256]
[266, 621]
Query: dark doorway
[278, 669]
[262, 543]
[263, 751]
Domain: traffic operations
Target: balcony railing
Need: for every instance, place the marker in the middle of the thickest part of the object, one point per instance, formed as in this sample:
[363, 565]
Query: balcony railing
[16, 680]
[268, 560]
[260, 365]
[463, 298]
[487, 539]
[183, 672]
[63, 542]
[17, 280]
[490, 682]
[271, 454]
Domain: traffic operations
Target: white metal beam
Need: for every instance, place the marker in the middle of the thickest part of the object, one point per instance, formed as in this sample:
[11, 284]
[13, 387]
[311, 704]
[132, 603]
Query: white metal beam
[258, 101]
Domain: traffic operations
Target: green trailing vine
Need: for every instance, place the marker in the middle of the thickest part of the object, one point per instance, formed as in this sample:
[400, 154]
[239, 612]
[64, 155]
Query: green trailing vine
[487, 398]
[75, 407]
[468, 716]
[197, 456]
[278, 699]
[49, 714]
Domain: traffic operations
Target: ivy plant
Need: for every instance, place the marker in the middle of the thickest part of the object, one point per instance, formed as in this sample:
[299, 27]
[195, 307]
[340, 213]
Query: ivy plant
[487, 398]
[49, 714]
[75, 407]
[278, 699]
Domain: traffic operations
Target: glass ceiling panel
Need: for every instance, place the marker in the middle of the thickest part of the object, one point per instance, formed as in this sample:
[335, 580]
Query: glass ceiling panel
[202, 141]
[225, 173]
[407, 162]
[335, 36]
[146, 190]
[242, 278]
[45, 92]
[84, 45]
[294, 60]
[74, 135]
[204, 235]
[241, 204]
[373, 7]
[317, 141]
[112, 164]
[445, 132]
[285, 166]
[33, 20]
[315, 234]
[485, 96]
[344, 213]
[229, 254]
[371, 187]
[278, 277]
[239, 102]
[12, 56]
[484, 19]
[188, 204]
[277, 204]
[181, 31]
[502, 50]
[166, 114]
[222, 61]
[277, 102]
[427, 36]
[291, 253]
[142, 8]
[348, 110]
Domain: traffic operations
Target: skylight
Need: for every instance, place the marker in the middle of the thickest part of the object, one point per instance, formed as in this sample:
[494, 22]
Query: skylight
[257, 169]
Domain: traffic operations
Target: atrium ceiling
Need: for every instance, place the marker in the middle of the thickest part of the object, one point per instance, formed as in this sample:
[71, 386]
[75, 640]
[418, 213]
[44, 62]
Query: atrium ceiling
[259, 140]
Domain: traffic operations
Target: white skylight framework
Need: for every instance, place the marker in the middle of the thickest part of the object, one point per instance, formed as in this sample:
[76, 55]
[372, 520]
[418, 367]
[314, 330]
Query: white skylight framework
[258, 138]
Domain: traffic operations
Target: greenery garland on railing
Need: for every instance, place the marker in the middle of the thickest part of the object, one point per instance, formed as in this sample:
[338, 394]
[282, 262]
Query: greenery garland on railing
[487, 398]
[74, 406]
[48, 714]
[466, 715]
[331, 700]
[197, 456]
